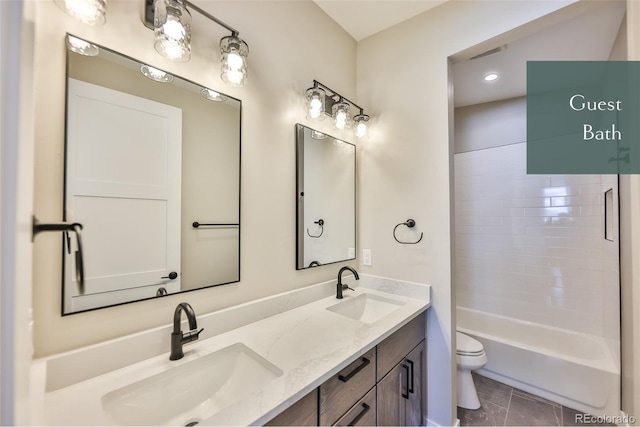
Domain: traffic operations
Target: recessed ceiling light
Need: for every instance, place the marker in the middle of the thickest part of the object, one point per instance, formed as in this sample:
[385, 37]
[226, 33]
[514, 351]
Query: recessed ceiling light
[490, 77]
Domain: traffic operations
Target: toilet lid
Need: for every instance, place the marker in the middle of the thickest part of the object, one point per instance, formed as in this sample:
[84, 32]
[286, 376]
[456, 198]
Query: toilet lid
[468, 346]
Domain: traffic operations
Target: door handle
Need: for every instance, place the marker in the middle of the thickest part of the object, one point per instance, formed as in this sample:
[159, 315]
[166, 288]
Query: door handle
[171, 276]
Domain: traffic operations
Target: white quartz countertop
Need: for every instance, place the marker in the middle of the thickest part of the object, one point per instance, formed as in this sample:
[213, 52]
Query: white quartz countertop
[309, 344]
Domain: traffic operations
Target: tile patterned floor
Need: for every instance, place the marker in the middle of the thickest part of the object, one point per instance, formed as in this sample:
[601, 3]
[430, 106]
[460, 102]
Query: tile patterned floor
[503, 405]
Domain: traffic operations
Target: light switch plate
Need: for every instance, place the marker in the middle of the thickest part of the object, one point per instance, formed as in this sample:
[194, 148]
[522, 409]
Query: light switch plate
[351, 254]
[366, 257]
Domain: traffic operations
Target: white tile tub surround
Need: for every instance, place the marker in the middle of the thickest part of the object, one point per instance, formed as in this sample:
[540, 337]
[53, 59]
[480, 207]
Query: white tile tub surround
[67, 388]
[532, 247]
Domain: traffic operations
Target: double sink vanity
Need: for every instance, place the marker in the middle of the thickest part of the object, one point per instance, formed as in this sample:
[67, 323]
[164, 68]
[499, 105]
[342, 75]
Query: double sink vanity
[360, 361]
[319, 355]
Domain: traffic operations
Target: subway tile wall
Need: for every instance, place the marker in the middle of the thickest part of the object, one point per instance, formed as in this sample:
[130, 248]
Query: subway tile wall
[532, 247]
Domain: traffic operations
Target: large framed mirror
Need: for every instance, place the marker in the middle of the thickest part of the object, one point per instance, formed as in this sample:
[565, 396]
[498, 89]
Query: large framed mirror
[326, 199]
[152, 172]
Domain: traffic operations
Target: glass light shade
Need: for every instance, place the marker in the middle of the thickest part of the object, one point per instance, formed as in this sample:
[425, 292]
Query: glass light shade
[81, 46]
[233, 69]
[315, 103]
[318, 135]
[362, 125]
[155, 74]
[340, 114]
[212, 95]
[92, 12]
[172, 29]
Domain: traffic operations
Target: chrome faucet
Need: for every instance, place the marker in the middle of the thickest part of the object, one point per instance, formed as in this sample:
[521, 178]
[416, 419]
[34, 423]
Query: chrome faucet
[342, 287]
[177, 337]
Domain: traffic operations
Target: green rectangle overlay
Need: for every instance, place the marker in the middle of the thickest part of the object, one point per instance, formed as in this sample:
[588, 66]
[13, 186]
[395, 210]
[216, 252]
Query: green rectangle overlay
[583, 117]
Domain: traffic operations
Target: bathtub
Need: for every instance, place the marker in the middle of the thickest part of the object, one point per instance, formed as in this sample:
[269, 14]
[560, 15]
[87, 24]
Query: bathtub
[573, 369]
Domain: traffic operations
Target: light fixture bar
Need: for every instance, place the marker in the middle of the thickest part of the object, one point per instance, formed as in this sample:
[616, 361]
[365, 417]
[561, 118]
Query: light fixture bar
[149, 14]
[234, 32]
[333, 101]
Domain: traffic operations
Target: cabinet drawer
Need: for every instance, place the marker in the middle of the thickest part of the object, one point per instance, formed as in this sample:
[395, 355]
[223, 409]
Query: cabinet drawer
[343, 390]
[393, 349]
[362, 413]
[302, 413]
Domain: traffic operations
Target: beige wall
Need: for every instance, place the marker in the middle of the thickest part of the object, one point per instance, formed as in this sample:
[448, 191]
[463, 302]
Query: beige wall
[629, 252]
[405, 168]
[291, 43]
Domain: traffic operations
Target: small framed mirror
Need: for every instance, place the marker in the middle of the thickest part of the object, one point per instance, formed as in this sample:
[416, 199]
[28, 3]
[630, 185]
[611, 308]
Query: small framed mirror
[152, 172]
[326, 199]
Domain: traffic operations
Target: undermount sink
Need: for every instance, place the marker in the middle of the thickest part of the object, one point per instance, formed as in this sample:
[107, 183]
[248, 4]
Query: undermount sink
[193, 391]
[366, 308]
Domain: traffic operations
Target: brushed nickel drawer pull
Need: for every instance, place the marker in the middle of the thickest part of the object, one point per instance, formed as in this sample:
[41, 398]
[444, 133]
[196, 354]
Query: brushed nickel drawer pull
[351, 374]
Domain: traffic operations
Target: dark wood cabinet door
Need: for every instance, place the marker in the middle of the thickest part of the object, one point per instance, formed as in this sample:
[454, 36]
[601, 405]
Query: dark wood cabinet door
[415, 405]
[390, 401]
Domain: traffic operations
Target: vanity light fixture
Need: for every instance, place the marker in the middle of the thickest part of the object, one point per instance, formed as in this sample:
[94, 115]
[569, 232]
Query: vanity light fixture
[92, 12]
[212, 95]
[155, 74]
[233, 69]
[340, 114]
[172, 30]
[81, 47]
[321, 101]
[362, 125]
[171, 22]
[315, 103]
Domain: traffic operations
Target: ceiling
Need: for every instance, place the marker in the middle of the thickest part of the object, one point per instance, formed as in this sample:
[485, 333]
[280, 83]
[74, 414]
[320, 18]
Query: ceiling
[362, 18]
[586, 37]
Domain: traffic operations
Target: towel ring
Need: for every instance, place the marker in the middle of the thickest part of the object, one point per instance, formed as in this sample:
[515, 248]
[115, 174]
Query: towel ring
[410, 223]
[320, 222]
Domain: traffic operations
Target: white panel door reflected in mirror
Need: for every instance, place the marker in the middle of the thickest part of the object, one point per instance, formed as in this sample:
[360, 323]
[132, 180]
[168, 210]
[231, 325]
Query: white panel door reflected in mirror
[145, 160]
[326, 199]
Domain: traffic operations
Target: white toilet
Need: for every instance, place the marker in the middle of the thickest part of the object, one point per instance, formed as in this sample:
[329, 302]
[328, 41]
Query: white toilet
[469, 356]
